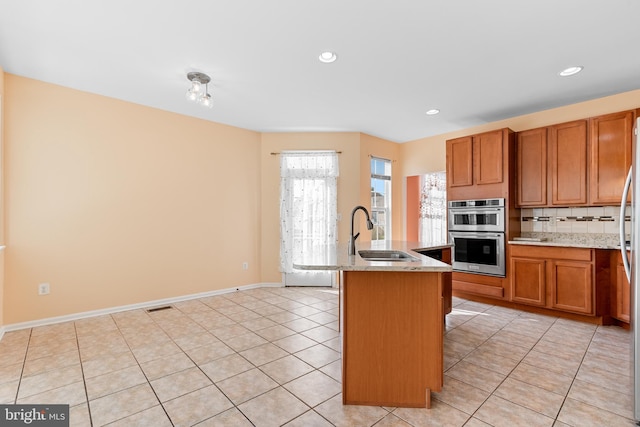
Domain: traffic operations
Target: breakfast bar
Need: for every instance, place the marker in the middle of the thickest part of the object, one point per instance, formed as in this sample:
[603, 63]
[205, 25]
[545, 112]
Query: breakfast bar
[392, 307]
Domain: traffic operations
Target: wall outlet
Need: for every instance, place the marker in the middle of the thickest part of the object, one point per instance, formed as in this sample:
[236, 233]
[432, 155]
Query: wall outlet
[43, 289]
[245, 265]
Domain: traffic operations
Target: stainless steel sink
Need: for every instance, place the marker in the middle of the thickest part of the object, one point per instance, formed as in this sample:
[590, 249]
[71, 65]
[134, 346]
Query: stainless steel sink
[386, 255]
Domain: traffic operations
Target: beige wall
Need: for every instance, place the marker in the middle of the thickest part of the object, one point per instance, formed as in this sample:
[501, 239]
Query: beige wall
[429, 154]
[113, 203]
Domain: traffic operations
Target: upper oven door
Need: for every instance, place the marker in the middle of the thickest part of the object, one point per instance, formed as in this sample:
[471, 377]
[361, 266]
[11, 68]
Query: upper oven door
[476, 219]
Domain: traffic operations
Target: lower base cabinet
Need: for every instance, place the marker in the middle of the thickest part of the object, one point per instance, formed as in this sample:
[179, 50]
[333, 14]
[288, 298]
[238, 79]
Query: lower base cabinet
[554, 277]
[621, 292]
[528, 281]
[572, 286]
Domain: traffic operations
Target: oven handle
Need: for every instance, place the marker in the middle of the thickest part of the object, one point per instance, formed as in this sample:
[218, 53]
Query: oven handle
[475, 210]
[474, 234]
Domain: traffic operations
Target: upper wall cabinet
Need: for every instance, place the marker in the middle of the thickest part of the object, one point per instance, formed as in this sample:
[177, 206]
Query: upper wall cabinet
[551, 165]
[568, 163]
[531, 167]
[477, 165]
[579, 163]
[460, 162]
[610, 140]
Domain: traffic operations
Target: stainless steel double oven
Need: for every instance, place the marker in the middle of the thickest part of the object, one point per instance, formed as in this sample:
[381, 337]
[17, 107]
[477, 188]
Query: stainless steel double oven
[476, 230]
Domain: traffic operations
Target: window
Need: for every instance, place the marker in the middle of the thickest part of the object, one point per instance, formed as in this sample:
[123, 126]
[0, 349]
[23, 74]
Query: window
[432, 226]
[381, 198]
[308, 211]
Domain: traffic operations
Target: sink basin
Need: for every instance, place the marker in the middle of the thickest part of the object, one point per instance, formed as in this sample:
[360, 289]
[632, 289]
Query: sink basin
[386, 255]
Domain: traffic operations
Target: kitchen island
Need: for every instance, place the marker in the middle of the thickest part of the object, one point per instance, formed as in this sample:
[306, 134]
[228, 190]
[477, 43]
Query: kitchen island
[392, 323]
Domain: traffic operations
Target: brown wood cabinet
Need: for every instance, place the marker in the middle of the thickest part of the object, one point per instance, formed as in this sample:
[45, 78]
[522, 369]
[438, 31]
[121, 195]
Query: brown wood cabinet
[392, 347]
[579, 163]
[553, 277]
[620, 292]
[572, 286]
[477, 165]
[531, 167]
[568, 163]
[488, 155]
[460, 162]
[610, 152]
[528, 281]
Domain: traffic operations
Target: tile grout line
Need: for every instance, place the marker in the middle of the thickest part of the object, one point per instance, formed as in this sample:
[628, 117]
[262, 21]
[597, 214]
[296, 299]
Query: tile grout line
[84, 380]
[24, 363]
[510, 372]
[575, 376]
[142, 370]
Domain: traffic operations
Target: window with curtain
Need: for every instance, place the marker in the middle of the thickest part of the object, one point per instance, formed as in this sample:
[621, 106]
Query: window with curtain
[381, 198]
[308, 203]
[432, 225]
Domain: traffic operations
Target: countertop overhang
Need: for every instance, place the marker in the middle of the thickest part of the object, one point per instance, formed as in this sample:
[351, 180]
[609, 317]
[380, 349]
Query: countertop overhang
[566, 244]
[335, 257]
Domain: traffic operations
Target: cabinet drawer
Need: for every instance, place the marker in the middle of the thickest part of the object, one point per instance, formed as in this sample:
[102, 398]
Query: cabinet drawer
[556, 252]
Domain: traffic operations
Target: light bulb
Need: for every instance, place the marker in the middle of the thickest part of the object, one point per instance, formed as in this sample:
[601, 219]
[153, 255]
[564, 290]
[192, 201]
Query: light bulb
[196, 86]
[206, 100]
[191, 95]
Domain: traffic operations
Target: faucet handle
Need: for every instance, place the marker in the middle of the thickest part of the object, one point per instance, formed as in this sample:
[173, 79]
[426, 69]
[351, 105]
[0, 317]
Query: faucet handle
[356, 236]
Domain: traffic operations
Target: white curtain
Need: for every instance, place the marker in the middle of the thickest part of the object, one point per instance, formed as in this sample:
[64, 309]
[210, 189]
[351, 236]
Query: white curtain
[433, 208]
[308, 203]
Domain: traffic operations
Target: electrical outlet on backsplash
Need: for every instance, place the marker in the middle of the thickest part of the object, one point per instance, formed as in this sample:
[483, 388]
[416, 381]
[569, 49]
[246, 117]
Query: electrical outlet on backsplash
[598, 222]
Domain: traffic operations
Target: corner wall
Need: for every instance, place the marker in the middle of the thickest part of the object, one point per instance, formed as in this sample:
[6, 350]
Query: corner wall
[114, 203]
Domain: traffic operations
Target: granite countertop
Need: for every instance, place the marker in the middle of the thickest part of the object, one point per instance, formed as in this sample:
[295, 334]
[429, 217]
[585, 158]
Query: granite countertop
[570, 240]
[335, 257]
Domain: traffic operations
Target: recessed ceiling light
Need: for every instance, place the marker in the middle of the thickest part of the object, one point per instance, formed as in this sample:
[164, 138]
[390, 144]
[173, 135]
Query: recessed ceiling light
[432, 112]
[570, 71]
[327, 57]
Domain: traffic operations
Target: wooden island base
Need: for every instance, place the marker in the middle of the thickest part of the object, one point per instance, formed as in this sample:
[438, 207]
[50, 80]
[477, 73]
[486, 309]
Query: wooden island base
[393, 325]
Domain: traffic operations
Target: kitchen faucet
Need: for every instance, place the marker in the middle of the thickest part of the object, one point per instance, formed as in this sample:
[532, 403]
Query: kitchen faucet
[352, 238]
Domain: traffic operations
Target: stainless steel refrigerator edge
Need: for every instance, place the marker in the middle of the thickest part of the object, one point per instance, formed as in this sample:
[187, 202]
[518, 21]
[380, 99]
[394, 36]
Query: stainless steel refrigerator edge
[631, 265]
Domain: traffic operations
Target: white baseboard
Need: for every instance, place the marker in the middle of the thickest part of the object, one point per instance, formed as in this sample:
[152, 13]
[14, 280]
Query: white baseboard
[146, 304]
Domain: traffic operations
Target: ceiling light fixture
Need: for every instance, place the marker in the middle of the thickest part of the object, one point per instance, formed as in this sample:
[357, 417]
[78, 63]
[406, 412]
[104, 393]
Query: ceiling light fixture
[196, 92]
[328, 57]
[570, 71]
[432, 112]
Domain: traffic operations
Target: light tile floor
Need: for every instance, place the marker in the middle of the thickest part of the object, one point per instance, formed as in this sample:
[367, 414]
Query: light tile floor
[271, 356]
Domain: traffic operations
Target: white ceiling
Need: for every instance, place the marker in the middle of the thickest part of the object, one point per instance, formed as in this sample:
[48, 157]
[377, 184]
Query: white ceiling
[476, 61]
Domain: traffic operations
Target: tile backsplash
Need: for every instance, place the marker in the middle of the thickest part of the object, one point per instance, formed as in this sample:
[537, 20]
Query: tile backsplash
[589, 220]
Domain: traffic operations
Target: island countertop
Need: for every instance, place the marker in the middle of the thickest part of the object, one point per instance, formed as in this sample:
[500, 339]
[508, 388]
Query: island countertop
[335, 257]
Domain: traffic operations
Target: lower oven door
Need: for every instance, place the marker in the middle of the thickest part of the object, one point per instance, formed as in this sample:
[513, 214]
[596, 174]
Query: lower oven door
[478, 252]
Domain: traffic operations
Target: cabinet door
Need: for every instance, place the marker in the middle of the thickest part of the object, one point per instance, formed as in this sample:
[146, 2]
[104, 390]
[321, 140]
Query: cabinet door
[568, 163]
[528, 281]
[488, 157]
[610, 143]
[571, 286]
[531, 167]
[460, 162]
[622, 290]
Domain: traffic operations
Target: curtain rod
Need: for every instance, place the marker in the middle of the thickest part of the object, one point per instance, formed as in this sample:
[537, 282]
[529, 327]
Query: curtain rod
[278, 153]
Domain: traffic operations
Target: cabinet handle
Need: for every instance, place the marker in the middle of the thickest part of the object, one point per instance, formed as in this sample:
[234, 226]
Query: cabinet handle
[623, 243]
